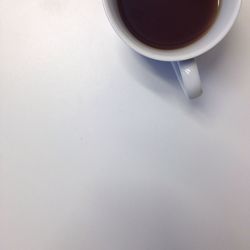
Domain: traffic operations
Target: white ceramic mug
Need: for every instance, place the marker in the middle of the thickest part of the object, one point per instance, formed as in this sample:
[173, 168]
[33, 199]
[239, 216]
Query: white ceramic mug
[183, 59]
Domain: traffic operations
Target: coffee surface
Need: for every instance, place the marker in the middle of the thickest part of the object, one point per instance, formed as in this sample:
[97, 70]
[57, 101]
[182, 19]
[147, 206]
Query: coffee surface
[168, 24]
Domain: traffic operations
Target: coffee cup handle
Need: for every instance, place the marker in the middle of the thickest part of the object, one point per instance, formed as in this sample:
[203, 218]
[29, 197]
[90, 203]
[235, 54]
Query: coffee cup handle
[188, 75]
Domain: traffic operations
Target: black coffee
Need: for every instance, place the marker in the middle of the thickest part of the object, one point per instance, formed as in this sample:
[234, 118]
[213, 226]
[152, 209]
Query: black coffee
[168, 24]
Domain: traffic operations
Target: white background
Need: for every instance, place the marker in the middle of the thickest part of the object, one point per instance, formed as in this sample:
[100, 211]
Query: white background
[100, 150]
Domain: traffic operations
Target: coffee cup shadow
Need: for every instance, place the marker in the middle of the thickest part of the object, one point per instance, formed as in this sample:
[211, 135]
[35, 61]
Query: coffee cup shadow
[159, 77]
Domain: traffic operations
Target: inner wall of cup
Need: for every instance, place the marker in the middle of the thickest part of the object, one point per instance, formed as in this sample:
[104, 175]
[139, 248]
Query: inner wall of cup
[227, 14]
[118, 24]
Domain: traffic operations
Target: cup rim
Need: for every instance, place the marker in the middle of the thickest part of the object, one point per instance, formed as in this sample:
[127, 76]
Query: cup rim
[151, 52]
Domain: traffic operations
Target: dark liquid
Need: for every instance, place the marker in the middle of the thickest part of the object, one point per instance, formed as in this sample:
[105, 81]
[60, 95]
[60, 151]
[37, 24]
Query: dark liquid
[168, 24]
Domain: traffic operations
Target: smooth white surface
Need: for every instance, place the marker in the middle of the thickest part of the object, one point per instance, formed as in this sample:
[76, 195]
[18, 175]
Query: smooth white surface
[99, 149]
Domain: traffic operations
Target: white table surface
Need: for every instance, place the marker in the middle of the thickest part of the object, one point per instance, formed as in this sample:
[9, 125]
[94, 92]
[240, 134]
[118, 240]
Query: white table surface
[100, 150]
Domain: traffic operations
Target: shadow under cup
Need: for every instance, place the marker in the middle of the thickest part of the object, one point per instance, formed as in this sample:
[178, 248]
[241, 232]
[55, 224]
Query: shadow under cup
[227, 15]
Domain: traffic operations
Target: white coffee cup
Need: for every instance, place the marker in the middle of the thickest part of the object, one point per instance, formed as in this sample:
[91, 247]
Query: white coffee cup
[183, 59]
